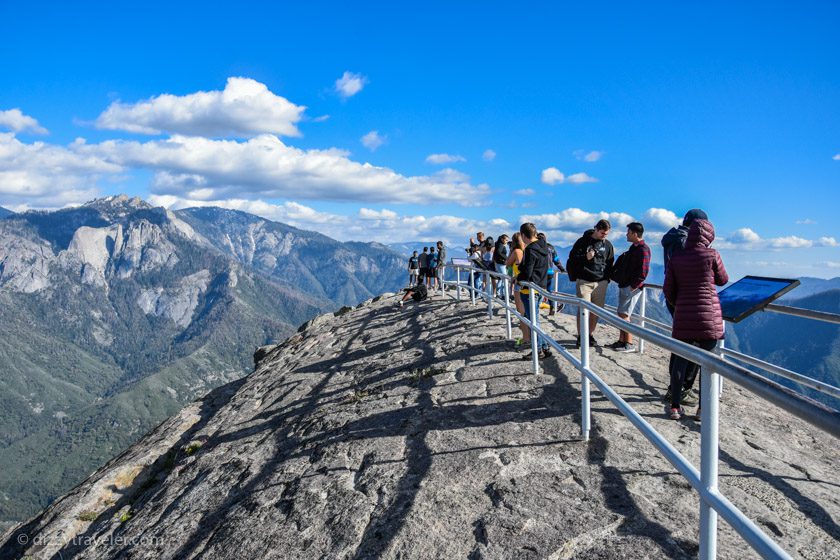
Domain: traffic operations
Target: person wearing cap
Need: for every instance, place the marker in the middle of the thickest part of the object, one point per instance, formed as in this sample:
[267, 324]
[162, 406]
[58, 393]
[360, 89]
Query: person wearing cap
[630, 272]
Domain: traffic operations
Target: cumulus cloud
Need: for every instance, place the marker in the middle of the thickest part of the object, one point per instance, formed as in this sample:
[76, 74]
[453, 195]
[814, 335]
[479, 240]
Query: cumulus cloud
[828, 264]
[578, 178]
[47, 175]
[264, 167]
[488, 155]
[836, 157]
[552, 176]
[16, 121]
[442, 159]
[577, 219]
[244, 108]
[373, 140]
[747, 239]
[384, 226]
[590, 157]
[660, 218]
[349, 84]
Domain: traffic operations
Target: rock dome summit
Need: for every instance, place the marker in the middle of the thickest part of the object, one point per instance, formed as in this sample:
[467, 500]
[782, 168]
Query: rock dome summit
[420, 433]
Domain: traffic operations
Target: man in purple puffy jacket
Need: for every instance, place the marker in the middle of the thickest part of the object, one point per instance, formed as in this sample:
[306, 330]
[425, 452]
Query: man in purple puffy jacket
[689, 286]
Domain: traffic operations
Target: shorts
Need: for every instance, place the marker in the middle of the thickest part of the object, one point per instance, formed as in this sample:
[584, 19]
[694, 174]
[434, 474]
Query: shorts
[424, 271]
[431, 272]
[627, 299]
[596, 292]
[414, 271]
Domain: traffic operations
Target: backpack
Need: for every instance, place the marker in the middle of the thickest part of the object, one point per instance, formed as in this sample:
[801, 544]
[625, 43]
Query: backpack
[419, 292]
[571, 268]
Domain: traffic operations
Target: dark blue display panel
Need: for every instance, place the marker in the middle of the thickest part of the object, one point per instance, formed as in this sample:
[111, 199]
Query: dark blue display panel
[750, 294]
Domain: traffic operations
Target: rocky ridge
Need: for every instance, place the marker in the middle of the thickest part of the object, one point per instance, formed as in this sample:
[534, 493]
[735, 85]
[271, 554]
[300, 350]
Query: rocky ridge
[421, 433]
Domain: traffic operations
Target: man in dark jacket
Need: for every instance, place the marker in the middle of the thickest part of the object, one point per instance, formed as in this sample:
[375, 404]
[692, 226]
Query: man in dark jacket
[441, 262]
[630, 272]
[590, 264]
[690, 287]
[534, 269]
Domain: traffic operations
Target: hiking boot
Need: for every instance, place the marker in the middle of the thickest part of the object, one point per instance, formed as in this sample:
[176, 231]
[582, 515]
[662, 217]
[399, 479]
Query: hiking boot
[628, 347]
[689, 397]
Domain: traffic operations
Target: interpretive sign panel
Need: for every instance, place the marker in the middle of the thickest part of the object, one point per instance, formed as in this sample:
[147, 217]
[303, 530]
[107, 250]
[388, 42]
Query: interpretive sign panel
[750, 294]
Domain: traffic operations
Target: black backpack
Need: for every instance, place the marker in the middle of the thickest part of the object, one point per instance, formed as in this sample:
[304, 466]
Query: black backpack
[419, 292]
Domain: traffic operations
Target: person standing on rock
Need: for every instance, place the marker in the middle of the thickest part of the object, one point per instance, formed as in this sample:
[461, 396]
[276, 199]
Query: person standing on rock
[424, 265]
[534, 269]
[630, 272]
[673, 242]
[500, 255]
[689, 287]
[431, 270]
[413, 269]
[514, 260]
[590, 265]
[441, 263]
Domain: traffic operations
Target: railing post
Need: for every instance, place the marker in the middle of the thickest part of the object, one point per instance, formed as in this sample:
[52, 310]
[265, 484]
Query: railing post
[487, 291]
[709, 410]
[642, 309]
[534, 308]
[507, 308]
[719, 352]
[472, 286]
[585, 415]
[556, 289]
[458, 284]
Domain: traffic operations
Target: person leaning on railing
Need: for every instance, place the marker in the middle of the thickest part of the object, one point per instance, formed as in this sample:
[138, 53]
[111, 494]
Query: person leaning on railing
[517, 251]
[689, 287]
[534, 269]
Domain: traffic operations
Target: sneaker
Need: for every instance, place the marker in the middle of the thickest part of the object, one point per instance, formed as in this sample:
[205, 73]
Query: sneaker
[676, 414]
[518, 343]
[616, 345]
[545, 353]
[528, 357]
[627, 348]
[592, 341]
[689, 396]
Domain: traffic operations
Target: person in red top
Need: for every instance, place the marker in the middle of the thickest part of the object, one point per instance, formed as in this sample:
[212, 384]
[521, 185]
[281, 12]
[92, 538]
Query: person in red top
[630, 272]
[689, 286]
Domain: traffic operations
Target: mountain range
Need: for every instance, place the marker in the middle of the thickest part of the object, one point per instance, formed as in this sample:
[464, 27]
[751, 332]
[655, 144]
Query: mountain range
[4, 212]
[115, 314]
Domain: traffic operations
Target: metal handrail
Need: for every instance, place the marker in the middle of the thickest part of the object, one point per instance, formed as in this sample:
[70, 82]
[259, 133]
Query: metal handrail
[705, 481]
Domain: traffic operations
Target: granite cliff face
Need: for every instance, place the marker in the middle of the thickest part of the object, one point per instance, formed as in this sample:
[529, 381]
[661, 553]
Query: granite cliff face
[420, 433]
[116, 314]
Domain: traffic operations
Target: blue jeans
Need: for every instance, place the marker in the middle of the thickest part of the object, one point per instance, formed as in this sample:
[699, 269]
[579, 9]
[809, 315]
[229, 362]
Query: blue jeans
[526, 302]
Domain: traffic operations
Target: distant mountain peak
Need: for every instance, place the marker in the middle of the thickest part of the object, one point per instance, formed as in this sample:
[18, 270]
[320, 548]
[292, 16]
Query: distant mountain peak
[118, 205]
[4, 212]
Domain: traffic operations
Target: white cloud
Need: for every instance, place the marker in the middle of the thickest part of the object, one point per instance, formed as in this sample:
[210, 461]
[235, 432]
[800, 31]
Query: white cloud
[578, 178]
[660, 217]
[372, 140]
[440, 159]
[322, 118]
[806, 222]
[577, 219]
[552, 176]
[836, 157]
[47, 175]
[16, 121]
[525, 192]
[265, 167]
[747, 239]
[590, 157]
[384, 226]
[245, 108]
[828, 264]
[349, 84]
[488, 155]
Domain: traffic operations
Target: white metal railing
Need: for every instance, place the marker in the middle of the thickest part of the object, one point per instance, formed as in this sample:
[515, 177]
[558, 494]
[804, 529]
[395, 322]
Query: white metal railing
[704, 480]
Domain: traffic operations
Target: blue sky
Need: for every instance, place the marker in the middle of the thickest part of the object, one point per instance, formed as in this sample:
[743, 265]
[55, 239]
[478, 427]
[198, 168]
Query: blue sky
[645, 110]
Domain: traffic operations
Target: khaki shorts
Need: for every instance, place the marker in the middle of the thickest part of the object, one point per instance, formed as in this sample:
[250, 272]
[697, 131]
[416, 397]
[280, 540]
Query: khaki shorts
[596, 292]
